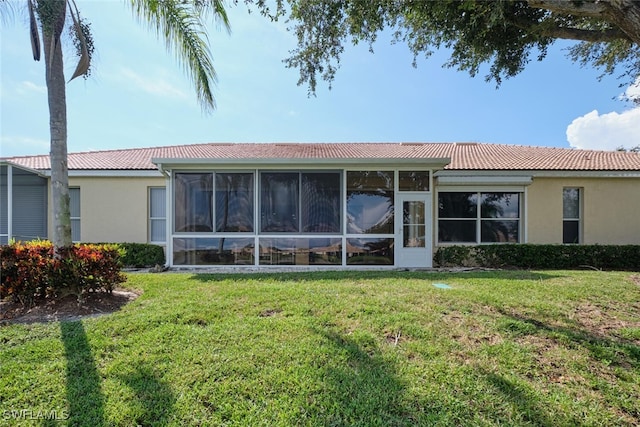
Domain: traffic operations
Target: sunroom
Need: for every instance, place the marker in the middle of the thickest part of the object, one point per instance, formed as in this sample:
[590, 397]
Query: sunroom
[304, 212]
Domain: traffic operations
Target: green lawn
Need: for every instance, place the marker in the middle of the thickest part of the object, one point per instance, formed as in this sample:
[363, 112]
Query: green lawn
[547, 348]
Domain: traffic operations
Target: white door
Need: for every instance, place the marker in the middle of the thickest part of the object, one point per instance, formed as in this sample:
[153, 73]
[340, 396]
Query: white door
[413, 240]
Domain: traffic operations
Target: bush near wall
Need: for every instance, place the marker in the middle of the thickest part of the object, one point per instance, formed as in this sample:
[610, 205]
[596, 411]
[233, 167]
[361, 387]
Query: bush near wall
[140, 255]
[530, 256]
[31, 272]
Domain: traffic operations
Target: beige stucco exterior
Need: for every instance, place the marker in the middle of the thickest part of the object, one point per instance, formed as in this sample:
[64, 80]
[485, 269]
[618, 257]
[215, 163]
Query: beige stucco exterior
[610, 210]
[114, 209]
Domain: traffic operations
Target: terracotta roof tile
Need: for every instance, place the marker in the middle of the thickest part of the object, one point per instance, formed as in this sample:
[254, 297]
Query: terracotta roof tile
[464, 156]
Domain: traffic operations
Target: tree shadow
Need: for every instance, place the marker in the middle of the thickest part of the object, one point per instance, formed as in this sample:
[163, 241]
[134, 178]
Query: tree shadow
[359, 387]
[524, 402]
[422, 275]
[83, 382]
[154, 397]
[603, 348]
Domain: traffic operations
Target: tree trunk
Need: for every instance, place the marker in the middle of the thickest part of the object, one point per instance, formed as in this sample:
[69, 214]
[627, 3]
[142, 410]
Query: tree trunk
[56, 90]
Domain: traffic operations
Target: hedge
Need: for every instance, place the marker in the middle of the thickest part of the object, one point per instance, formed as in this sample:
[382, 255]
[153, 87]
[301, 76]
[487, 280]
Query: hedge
[31, 272]
[140, 255]
[531, 256]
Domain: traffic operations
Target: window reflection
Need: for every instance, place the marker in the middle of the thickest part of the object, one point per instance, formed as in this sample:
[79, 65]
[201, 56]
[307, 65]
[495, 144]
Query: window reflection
[234, 202]
[457, 205]
[499, 231]
[279, 202]
[413, 180]
[219, 251]
[320, 204]
[193, 196]
[370, 202]
[499, 205]
[301, 251]
[498, 222]
[370, 251]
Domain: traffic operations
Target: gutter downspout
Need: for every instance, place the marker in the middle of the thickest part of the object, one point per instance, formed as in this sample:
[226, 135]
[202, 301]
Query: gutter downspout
[9, 203]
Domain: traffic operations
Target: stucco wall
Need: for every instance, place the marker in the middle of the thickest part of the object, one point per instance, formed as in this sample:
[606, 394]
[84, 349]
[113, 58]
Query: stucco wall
[611, 210]
[114, 209]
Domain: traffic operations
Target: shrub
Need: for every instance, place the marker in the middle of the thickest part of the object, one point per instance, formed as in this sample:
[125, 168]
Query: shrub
[142, 255]
[30, 271]
[607, 257]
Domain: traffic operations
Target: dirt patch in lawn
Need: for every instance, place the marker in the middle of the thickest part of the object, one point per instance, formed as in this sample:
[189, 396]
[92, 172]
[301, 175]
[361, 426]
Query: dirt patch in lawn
[67, 308]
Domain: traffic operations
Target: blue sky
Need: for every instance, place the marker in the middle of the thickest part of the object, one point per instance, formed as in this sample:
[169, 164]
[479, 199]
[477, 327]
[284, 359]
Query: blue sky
[139, 95]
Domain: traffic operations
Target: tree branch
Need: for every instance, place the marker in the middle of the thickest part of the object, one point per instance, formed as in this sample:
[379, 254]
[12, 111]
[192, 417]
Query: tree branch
[594, 36]
[586, 9]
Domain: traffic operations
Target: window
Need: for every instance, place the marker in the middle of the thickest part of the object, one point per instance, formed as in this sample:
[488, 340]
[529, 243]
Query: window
[474, 217]
[234, 202]
[571, 215]
[370, 251]
[370, 202]
[74, 208]
[300, 202]
[300, 251]
[193, 202]
[413, 180]
[157, 215]
[213, 251]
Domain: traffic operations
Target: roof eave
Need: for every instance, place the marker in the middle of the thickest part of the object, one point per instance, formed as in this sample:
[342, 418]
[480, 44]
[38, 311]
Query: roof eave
[171, 163]
[42, 173]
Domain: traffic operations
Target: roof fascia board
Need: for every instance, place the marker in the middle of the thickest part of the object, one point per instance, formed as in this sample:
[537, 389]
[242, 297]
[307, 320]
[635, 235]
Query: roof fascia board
[587, 174]
[114, 173]
[540, 173]
[484, 180]
[24, 168]
[181, 163]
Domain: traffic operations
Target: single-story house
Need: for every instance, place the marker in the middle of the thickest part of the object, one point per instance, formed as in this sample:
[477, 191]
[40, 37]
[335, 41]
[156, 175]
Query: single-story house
[331, 204]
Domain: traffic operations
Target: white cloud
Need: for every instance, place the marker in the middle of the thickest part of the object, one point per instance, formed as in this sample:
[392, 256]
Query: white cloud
[608, 131]
[32, 87]
[155, 85]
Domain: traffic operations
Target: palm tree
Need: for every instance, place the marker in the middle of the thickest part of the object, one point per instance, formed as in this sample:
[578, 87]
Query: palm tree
[179, 22]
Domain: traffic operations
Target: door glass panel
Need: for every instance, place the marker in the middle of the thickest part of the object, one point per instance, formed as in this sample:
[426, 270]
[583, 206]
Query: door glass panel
[413, 219]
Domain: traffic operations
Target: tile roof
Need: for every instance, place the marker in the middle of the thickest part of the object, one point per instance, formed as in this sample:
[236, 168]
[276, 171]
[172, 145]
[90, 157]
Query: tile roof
[464, 156]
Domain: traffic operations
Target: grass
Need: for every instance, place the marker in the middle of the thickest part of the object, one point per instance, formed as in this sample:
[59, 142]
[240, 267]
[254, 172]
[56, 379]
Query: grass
[550, 348]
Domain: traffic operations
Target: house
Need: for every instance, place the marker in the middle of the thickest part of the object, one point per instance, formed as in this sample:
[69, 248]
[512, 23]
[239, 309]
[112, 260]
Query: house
[333, 204]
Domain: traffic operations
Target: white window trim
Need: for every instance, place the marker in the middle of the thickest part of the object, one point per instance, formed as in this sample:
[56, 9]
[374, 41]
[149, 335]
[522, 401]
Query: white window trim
[522, 232]
[152, 218]
[579, 219]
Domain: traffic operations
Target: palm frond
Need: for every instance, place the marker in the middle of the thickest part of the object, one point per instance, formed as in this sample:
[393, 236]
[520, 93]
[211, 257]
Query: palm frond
[84, 61]
[180, 23]
[33, 32]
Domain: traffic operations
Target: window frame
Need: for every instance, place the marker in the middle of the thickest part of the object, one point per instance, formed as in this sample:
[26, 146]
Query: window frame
[76, 218]
[578, 219]
[300, 231]
[212, 207]
[157, 219]
[478, 219]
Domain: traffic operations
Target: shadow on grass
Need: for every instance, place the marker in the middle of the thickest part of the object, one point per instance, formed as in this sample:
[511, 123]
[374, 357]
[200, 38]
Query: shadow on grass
[603, 348]
[425, 275]
[84, 391]
[360, 386]
[524, 402]
[154, 398]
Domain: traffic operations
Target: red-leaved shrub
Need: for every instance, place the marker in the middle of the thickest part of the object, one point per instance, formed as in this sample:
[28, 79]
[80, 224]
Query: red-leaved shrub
[30, 271]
